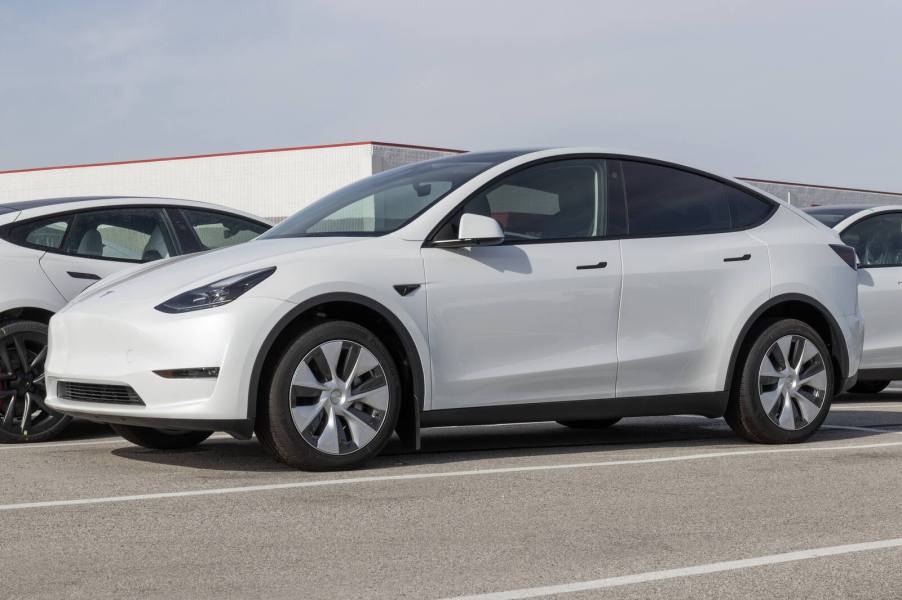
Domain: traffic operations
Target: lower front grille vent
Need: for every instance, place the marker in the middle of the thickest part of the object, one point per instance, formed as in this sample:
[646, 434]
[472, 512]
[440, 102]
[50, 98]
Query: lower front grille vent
[93, 392]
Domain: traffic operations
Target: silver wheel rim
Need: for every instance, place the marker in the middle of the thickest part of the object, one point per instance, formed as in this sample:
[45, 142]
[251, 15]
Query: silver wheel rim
[792, 382]
[339, 397]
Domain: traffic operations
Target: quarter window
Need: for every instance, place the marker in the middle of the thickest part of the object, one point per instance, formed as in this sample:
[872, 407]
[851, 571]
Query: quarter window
[44, 233]
[134, 234]
[550, 201]
[877, 240]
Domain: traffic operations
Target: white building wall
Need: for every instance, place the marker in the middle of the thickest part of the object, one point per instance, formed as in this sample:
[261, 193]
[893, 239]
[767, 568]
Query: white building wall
[271, 184]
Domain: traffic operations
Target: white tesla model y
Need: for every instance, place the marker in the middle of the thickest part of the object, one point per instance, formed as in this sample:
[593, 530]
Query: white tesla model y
[876, 235]
[54, 248]
[574, 285]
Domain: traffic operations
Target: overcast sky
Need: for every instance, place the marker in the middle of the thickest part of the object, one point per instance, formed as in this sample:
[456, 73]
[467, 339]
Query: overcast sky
[803, 91]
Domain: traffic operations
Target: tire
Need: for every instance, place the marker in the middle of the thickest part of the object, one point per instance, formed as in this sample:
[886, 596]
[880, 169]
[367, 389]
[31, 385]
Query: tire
[23, 349]
[161, 439]
[593, 424]
[322, 413]
[769, 403]
[868, 387]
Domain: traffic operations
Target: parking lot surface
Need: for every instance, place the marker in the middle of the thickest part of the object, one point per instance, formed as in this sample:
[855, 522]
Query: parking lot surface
[674, 507]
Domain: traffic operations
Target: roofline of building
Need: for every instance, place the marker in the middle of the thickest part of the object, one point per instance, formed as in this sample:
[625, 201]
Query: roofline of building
[823, 187]
[240, 152]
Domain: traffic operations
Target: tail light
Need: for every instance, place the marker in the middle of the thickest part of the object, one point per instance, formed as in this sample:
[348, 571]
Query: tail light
[847, 253]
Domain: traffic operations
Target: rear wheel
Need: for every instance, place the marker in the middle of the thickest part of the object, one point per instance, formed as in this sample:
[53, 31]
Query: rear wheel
[869, 387]
[334, 399]
[785, 387]
[23, 415]
[161, 439]
[593, 424]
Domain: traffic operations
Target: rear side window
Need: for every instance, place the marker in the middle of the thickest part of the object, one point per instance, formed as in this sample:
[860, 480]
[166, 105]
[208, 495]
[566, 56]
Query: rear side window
[216, 230]
[43, 233]
[666, 201]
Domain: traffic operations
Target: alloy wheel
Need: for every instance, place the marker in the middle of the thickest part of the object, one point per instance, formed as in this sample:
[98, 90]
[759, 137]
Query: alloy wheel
[339, 397]
[22, 387]
[792, 382]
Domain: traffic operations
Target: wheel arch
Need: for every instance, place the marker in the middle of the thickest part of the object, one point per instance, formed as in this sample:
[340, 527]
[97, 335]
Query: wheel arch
[366, 312]
[25, 313]
[803, 308]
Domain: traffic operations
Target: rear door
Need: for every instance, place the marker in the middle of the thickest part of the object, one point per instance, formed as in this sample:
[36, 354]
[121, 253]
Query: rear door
[877, 240]
[101, 242]
[689, 273]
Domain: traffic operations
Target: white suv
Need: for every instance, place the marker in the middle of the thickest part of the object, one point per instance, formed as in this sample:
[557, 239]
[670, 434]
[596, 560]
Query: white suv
[574, 285]
[52, 249]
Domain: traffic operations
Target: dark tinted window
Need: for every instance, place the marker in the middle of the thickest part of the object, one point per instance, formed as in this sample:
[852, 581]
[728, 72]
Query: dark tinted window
[135, 234]
[663, 200]
[830, 215]
[877, 240]
[216, 230]
[44, 233]
[557, 200]
[745, 209]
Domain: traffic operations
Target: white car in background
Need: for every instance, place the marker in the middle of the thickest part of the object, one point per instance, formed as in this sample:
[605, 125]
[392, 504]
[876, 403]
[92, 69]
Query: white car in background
[876, 235]
[575, 285]
[53, 249]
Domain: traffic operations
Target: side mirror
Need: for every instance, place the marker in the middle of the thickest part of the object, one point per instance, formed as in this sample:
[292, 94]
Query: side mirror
[475, 230]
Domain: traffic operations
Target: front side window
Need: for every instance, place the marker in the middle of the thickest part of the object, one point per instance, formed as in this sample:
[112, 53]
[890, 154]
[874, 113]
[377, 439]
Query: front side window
[667, 201]
[558, 200]
[133, 234]
[44, 233]
[877, 240]
[215, 230]
[385, 202]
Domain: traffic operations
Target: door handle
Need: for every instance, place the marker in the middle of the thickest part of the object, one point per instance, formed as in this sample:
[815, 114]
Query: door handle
[737, 258]
[600, 265]
[77, 275]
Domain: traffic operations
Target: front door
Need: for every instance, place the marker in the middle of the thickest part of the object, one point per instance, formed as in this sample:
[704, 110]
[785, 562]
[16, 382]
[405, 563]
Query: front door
[534, 319]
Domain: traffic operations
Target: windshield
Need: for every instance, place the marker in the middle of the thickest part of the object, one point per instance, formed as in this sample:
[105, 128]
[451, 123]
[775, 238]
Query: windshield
[385, 202]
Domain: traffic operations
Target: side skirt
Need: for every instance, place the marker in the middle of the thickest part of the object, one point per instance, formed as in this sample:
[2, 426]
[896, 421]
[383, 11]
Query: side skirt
[708, 404]
[879, 374]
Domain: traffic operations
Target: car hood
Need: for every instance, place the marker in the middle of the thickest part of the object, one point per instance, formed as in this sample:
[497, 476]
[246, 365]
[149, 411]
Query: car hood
[167, 278]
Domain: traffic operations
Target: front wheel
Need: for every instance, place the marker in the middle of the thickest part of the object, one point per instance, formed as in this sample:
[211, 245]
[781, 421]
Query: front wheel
[785, 385]
[23, 415]
[334, 399]
[161, 439]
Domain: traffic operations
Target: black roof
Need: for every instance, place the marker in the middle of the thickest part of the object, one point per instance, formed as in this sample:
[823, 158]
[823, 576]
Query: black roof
[7, 207]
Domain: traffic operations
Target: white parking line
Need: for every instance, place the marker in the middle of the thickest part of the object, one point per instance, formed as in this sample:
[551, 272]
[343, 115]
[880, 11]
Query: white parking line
[868, 429]
[95, 442]
[718, 567]
[439, 475]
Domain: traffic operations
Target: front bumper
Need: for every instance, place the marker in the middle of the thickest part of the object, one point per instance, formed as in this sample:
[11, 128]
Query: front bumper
[124, 346]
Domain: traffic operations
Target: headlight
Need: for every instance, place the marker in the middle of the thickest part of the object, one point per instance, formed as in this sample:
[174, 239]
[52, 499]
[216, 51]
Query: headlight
[215, 294]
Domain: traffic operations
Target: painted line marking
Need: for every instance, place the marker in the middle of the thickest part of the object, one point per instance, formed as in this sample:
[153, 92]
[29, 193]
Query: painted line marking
[95, 442]
[854, 428]
[706, 569]
[437, 475]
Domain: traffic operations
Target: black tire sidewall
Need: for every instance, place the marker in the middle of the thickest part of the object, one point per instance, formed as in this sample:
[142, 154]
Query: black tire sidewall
[278, 432]
[63, 421]
[755, 421]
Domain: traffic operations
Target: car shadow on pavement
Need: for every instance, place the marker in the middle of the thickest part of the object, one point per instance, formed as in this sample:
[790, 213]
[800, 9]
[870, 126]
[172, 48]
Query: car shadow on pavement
[449, 445]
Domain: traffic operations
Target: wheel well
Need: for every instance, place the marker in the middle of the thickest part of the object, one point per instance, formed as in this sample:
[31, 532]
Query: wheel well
[392, 334]
[807, 313]
[25, 314]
